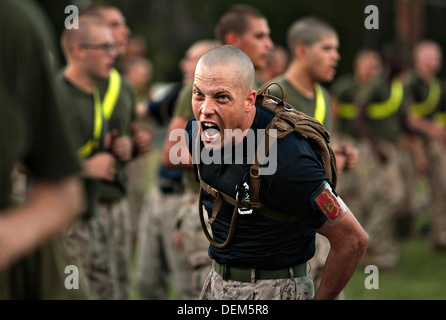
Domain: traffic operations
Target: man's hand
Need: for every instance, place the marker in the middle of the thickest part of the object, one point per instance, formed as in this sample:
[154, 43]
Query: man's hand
[341, 159]
[352, 155]
[100, 166]
[142, 140]
[120, 146]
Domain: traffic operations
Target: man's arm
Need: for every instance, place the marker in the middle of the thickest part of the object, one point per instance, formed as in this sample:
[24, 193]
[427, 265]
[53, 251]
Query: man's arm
[51, 207]
[348, 242]
[142, 140]
[177, 125]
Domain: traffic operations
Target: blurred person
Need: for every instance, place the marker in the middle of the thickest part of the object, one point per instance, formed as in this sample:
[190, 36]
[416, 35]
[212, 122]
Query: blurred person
[137, 46]
[120, 114]
[426, 112]
[33, 137]
[382, 121]
[90, 53]
[366, 66]
[313, 45]
[158, 257]
[138, 71]
[246, 28]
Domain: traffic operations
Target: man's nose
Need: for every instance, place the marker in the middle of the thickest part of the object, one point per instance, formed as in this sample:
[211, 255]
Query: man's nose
[207, 107]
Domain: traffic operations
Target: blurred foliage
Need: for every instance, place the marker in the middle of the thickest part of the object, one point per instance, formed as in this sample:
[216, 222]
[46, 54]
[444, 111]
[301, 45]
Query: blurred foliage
[171, 26]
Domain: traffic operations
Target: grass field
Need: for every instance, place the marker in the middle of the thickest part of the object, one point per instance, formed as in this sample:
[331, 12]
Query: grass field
[419, 275]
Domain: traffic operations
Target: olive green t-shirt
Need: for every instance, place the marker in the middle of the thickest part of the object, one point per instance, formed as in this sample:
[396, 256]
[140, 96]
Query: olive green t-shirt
[30, 122]
[344, 90]
[378, 93]
[428, 100]
[78, 108]
[303, 103]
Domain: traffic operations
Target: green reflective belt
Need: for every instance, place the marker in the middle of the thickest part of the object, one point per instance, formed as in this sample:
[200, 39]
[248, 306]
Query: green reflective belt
[386, 108]
[244, 274]
[348, 111]
[93, 143]
[320, 110]
[440, 119]
[112, 94]
[426, 107]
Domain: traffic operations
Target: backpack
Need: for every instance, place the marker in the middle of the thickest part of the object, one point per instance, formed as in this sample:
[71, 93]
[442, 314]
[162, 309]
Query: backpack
[286, 120]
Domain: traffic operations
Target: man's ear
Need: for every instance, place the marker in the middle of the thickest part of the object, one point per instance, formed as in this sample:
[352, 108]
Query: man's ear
[300, 51]
[232, 38]
[77, 51]
[250, 100]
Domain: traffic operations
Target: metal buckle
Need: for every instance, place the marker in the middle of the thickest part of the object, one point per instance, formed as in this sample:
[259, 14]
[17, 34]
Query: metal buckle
[254, 172]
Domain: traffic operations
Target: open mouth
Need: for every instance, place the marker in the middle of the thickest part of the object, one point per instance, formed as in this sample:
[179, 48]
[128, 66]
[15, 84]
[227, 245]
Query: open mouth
[210, 131]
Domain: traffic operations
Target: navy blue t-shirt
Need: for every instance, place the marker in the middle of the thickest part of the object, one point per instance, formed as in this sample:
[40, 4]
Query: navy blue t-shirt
[261, 242]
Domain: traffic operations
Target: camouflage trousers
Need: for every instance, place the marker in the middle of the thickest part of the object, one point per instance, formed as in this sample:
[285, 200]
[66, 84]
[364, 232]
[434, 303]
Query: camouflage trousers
[215, 288]
[436, 155]
[159, 263]
[384, 193]
[102, 247]
[42, 275]
[195, 243]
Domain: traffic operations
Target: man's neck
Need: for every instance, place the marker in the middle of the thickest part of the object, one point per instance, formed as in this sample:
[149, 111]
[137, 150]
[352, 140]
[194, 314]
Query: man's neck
[426, 76]
[79, 78]
[301, 80]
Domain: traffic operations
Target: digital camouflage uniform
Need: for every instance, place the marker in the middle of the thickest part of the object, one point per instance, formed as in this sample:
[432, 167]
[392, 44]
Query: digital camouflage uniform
[161, 264]
[300, 288]
[429, 102]
[115, 214]
[194, 241]
[387, 195]
[107, 227]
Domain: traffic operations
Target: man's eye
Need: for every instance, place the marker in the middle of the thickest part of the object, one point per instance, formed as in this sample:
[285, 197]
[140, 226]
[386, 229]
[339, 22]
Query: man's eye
[198, 94]
[223, 97]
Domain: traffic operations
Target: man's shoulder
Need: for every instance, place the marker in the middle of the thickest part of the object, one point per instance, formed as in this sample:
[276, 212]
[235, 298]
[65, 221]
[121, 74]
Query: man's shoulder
[183, 105]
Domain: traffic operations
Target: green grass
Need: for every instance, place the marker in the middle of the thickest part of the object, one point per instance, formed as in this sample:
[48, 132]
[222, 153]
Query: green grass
[419, 275]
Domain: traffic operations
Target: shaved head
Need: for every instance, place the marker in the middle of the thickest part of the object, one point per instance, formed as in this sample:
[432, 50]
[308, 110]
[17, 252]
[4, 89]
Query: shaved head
[231, 56]
[84, 34]
[308, 31]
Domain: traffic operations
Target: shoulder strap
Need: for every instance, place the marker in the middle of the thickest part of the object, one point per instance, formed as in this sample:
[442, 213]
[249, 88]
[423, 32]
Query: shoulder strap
[92, 144]
[112, 94]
